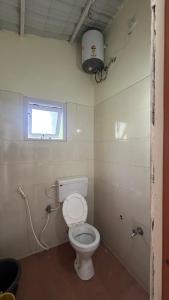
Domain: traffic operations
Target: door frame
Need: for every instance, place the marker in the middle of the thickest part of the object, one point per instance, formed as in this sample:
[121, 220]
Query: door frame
[165, 262]
[157, 106]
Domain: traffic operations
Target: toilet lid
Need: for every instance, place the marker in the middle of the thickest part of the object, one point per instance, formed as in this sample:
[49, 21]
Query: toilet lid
[74, 209]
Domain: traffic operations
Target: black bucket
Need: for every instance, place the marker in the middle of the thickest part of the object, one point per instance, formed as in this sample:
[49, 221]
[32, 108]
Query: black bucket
[10, 273]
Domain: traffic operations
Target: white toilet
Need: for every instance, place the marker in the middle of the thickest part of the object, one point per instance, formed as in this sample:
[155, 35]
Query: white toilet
[83, 237]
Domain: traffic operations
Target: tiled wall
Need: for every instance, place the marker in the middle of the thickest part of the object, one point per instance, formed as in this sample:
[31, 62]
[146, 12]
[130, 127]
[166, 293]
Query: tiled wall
[122, 135]
[36, 165]
[122, 142]
[122, 175]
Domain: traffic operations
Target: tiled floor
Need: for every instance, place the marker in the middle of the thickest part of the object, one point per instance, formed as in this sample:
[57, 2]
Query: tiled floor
[50, 276]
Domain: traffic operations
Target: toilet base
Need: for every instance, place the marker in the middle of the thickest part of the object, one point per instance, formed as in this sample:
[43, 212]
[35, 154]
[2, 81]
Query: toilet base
[84, 266]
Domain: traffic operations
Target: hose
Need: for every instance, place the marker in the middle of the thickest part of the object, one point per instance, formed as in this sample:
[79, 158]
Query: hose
[39, 240]
[43, 230]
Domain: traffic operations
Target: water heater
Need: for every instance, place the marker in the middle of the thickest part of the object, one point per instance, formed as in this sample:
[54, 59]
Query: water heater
[92, 51]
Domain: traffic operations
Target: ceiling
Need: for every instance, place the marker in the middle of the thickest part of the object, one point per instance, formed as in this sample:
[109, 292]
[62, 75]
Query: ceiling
[56, 18]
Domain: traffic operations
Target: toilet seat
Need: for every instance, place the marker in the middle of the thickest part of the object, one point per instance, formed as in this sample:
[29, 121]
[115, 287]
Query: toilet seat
[75, 209]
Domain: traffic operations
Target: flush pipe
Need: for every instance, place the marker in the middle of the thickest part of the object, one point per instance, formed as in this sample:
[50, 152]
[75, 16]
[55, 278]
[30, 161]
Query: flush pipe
[82, 19]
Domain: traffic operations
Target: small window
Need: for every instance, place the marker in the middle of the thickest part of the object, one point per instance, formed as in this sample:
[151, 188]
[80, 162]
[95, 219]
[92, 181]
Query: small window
[44, 120]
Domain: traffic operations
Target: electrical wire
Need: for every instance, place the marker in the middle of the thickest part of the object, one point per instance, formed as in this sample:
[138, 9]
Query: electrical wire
[101, 74]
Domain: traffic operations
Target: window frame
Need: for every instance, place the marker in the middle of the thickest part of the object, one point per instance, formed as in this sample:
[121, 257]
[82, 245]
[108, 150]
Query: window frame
[43, 105]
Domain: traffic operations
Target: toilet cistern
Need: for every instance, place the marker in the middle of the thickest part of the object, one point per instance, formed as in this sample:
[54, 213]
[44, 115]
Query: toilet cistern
[83, 237]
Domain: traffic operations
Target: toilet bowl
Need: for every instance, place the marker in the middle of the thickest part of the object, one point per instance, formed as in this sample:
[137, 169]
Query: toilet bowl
[83, 237]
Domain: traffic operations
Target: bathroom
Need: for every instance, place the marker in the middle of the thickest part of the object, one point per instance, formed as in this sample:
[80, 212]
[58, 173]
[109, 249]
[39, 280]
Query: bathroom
[103, 143]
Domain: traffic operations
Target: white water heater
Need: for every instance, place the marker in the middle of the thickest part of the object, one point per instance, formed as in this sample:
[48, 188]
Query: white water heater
[92, 51]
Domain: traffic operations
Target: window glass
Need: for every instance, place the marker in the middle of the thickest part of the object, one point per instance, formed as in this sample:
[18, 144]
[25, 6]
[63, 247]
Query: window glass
[45, 120]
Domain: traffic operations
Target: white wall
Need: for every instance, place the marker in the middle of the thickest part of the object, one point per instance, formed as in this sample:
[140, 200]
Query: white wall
[35, 165]
[122, 142]
[133, 52]
[157, 153]
[43, 68]
[46, 69]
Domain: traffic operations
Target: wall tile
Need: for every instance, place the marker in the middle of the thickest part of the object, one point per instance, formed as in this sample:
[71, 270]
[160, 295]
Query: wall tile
[35, 165]
[80, 122]
[125, 115]
[122, 174]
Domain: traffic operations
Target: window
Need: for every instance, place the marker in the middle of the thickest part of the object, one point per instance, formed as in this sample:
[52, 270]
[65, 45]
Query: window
[44, 120]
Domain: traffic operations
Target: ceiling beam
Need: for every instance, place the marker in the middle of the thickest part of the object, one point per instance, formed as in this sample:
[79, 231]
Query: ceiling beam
[22, 18]
[82, 19]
